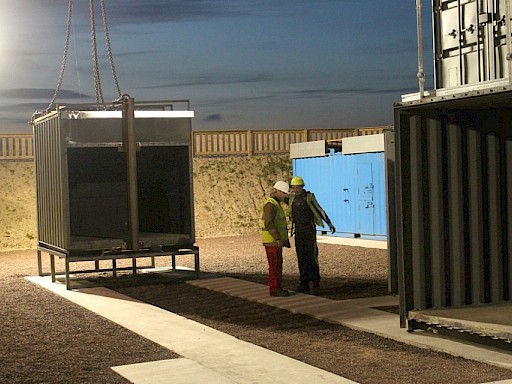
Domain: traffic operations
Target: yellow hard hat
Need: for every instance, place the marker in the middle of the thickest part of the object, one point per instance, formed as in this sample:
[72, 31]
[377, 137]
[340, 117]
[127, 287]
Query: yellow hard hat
[297, 180]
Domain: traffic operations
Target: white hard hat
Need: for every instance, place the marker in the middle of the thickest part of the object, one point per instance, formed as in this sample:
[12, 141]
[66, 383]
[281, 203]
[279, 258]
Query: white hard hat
[282, 186]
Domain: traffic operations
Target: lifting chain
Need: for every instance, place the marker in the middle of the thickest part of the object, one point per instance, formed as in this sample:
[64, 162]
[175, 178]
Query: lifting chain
[65, 55]
[95, 65]
[109, 48]
[96, 70]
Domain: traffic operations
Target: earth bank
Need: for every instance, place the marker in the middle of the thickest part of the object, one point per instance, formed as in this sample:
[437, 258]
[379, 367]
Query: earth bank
[228, 193]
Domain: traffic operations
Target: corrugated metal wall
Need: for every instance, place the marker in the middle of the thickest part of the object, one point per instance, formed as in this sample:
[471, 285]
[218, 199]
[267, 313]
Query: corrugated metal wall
[52, 202]
[454, 190]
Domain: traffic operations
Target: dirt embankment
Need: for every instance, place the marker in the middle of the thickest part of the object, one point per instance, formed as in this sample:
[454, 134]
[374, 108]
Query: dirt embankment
[228, 193]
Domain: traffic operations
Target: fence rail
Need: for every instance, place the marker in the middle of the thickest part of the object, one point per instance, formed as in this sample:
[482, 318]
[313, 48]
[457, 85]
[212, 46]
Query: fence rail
[248, 143]
[20, 146]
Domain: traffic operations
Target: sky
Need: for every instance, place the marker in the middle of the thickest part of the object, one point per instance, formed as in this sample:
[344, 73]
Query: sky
[266, 64]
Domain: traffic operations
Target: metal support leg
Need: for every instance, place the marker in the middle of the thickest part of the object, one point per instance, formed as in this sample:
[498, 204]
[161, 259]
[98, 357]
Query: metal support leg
[52, 267]
[97, 265]
[68, 282]
[153, 264]
[196, 262]
[134, 266]
[173, 258]
[114, 267]
[39, 263]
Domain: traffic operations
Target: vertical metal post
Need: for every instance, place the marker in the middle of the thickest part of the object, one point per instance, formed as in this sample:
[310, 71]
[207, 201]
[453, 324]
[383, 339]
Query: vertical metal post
[421, 72]
[456, 215]
[436, 205]
[508, 240]
[494, 175]
[508, 40]
[476, 220]
[39, 263]
[402, 194]
[130, 146]
[419, 248]
[389, 150]
[52, 267]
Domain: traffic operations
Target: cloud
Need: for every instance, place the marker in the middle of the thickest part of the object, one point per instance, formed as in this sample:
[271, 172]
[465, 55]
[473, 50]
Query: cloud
[216, 79]
[346, 91]
[216, 117]
[24, 108]
[40, 93]
[161, 11]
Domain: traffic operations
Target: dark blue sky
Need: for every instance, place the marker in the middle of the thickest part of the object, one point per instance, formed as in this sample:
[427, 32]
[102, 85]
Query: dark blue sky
[243, 64]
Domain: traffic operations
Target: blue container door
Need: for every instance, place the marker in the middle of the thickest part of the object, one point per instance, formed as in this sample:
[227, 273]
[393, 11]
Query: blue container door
[365, 199]
[344, 209]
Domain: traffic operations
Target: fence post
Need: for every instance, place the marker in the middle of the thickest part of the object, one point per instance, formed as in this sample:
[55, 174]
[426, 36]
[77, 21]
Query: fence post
[305, 136]
[249, 143]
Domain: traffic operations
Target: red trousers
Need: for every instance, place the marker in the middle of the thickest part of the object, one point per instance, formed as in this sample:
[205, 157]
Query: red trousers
[275, 268]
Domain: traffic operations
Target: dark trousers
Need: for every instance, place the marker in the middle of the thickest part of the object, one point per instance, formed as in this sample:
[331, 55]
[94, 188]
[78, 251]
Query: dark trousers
[275, 268]
[307, 256]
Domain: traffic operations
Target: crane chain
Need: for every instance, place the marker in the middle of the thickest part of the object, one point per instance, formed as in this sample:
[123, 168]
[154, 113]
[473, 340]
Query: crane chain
[109, 48]
[65, 55]
[96, 69]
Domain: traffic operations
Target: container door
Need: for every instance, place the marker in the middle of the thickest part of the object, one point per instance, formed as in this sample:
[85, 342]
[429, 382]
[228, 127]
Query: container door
[470, 44]
[365, 197]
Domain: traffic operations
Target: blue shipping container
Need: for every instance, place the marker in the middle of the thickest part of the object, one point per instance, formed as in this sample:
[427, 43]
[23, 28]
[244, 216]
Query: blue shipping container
[352, 190]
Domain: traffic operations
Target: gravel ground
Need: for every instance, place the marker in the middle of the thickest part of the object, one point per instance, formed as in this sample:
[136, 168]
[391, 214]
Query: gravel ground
[47, 339]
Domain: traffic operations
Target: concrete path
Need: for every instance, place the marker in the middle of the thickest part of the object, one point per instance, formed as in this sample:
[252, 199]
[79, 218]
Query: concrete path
[214, 357]
[209, 356]
[359, 314]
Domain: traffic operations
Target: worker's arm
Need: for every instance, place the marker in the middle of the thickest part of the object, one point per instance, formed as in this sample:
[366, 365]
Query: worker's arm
[322, 213]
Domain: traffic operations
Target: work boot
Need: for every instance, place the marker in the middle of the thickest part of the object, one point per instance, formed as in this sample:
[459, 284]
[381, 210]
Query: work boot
[315, 289]
[281, 293]
[303, 288]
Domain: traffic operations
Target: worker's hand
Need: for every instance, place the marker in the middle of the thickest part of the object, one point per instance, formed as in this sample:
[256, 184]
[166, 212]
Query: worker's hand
[331, 227]
[287, 244]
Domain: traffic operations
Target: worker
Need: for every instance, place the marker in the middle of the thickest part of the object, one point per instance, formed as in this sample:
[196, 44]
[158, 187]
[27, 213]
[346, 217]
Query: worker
[305, 214]
[274, 234]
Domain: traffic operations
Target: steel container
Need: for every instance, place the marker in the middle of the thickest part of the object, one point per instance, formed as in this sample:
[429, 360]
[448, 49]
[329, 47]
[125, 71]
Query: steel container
[471, 42]
[83, 199]
[453, 201]
[349, 184]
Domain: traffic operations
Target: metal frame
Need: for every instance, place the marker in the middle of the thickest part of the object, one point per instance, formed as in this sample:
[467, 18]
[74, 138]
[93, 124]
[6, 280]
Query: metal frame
[194, 250]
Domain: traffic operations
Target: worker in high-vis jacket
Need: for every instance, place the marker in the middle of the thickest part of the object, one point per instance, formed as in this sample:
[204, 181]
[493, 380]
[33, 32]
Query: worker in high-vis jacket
[274, 234]
[305, 214]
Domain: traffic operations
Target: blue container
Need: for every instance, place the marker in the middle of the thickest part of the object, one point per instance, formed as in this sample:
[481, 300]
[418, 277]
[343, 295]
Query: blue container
[351, 189]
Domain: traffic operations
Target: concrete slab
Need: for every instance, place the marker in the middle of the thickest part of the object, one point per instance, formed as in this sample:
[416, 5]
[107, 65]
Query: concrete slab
[354, 242]
[229, 358]
[176, 371]
[360, 314]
